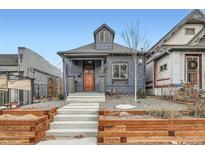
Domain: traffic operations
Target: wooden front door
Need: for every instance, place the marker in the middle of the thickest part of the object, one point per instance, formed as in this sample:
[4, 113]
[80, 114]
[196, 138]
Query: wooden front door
[89, 80]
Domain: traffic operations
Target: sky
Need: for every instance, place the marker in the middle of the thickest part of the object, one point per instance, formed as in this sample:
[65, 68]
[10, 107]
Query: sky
[49, 31]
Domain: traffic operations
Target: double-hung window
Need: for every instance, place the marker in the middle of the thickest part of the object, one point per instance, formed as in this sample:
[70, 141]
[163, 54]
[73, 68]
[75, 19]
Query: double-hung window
[119, 71]
[104, 36]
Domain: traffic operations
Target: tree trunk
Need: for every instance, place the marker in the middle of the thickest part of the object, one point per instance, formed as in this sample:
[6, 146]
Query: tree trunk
[135, 63]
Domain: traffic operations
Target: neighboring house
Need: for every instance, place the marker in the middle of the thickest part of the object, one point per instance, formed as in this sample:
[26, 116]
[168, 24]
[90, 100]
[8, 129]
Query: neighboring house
[179, 57]
[101, 66]
[29, 64]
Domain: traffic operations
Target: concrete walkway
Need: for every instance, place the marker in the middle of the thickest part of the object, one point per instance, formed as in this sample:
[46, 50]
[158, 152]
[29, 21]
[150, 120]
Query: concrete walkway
[70, 141]
[75, 123]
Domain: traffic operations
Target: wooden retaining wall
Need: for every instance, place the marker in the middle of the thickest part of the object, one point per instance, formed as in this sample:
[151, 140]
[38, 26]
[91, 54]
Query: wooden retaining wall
[139, 131]
[23, 131]
[37, 112]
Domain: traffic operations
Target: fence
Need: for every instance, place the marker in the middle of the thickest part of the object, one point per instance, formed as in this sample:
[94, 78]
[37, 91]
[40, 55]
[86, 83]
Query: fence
[14, 88]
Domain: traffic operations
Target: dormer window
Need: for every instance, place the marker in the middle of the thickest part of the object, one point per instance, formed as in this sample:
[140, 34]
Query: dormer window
[104, 36]
[189, 31]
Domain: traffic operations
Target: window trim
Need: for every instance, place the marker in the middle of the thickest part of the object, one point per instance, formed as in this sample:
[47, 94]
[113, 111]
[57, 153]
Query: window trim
[119, 64]
[186, 29]
[104, 32]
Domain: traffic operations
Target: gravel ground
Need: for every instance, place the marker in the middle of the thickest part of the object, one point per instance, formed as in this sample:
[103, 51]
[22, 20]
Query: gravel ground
[131, 117]
[142, 104]
[46, 105]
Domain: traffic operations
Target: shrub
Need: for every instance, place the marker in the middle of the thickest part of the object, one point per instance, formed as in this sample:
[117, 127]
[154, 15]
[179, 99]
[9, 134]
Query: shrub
[141, 94]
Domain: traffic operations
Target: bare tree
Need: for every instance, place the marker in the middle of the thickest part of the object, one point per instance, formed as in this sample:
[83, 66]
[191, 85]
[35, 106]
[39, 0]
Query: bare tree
[136, 40]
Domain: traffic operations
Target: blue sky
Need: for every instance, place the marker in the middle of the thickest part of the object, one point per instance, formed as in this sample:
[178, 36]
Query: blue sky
[49, 31]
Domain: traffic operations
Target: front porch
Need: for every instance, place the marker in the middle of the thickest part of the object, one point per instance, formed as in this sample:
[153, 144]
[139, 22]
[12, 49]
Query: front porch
[85, 75]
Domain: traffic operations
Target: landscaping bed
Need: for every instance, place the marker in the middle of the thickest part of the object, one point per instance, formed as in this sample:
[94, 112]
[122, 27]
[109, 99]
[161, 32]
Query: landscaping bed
[136, 130]
[46, 105]
[26, 129]
[50, 113]
[148, 126]
[150, 103]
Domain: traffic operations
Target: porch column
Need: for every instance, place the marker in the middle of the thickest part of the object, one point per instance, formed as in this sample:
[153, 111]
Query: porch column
[71, 80]
[102, 66]
[64, 76]
[102, 77]
[69, 67]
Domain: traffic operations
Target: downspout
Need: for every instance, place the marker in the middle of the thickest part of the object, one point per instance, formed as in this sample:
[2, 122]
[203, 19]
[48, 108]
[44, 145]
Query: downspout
[170, 65]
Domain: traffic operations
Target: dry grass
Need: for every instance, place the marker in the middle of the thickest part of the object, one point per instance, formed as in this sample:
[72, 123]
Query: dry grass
[197, 110]
[170, 114]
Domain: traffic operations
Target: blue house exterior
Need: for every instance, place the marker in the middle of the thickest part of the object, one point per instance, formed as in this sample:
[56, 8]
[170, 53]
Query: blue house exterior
[102, 66]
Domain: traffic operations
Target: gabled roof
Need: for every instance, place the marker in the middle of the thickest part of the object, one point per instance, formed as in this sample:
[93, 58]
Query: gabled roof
[195, 16]
[8, 59]
[90, 49]
[104, 26]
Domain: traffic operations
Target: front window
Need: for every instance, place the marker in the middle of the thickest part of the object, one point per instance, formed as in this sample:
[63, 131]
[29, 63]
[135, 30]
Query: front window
[120, 71]
[104, 36]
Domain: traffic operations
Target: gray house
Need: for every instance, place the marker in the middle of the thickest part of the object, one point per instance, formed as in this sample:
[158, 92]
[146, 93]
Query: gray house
[102, 66]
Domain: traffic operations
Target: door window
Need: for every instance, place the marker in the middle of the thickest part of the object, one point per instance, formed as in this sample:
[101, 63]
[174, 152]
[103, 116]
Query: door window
[192, 69]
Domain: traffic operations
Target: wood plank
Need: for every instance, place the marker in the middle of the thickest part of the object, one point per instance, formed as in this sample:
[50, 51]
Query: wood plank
[15, 128]
[115, 128]
[134, 122]
[131, 133]
[190, 133]
[164, 127]
[10, 134]
[12, 141]
[147, 127]
[164, 140]
[109, 140]
[24, 112]
[188, 121]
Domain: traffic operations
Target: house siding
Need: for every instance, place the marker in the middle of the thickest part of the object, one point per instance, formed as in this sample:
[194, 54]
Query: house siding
[129, 86]
[103, 45]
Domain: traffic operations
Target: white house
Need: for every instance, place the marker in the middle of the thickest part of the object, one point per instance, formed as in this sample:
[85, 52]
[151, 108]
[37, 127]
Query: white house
[179, 57]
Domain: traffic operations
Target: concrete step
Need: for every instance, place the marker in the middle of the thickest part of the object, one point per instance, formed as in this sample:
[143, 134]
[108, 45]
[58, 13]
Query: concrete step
[80, 107]
[74, 124]
[84, 104]
[77, 117]
[86, 94]
[81, 100]
[72, 132]
[77, 111]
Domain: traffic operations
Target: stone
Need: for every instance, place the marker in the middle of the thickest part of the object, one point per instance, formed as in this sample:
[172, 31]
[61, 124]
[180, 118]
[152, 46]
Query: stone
[125, 106]
[124, 114]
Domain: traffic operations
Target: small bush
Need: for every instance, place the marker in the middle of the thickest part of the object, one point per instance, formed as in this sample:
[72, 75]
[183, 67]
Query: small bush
[141, 94]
